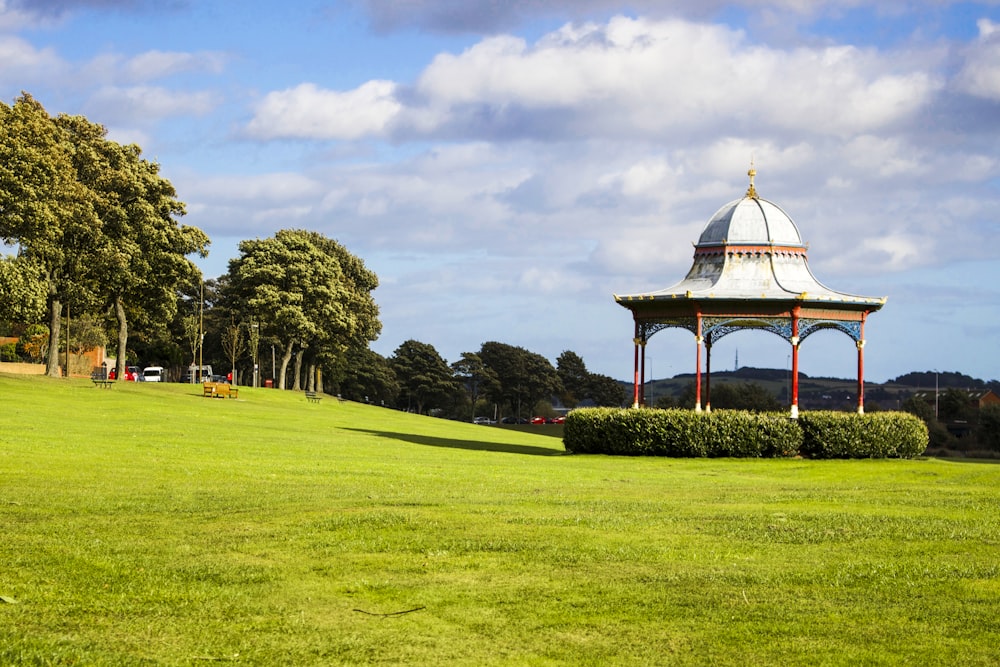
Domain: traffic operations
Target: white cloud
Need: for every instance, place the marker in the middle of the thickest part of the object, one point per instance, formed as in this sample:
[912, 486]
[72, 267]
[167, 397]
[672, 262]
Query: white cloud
[626, 78]
[142, 104]
[980, 73]
[112, 69]
[159, 64]
[279, 189]
[636, 76]
[20, 61]
[308, 112]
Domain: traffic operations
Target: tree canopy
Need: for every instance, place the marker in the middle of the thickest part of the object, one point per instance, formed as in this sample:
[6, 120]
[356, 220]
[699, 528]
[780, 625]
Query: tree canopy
[425, 380]
[94, 218]
[523, 377]
[308, 292]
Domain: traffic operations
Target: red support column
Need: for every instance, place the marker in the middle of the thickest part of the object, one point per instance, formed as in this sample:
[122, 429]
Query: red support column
[642, 376]
[697, 374]
[708, 375]
[861, 367]
[795, 363]
[635, 381]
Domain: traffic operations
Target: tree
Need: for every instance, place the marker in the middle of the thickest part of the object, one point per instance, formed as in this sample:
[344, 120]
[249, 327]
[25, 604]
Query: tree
[524, 377]
[988, 430]
[955, 405]
[309, 294]
[233, 344]
[605, 391]
[425, 380]
[368, 376]
[937, 433]
[735, 396]
[44, 209]
[575, 379]
[96, 219]
[139, 256]
[475, 376]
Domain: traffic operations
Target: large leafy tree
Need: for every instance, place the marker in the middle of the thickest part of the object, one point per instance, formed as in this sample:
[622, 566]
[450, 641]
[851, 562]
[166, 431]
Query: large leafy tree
[307, 292]
[425, 379]
[368, 376]
[574, 377]
[139, 258]
[524, 377]
[477, 378]
[44, 208]
[605, 391]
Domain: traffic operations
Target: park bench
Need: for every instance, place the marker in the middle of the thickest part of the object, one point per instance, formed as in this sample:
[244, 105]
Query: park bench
[99, 376]
[313, 397]
[220, 390]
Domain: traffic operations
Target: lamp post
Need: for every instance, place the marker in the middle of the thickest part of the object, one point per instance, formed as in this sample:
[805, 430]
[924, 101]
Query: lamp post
[255, 343]
[201, 333]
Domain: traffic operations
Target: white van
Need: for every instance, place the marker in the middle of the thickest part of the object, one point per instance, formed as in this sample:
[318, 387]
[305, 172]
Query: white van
[153, 374]
[194, 375]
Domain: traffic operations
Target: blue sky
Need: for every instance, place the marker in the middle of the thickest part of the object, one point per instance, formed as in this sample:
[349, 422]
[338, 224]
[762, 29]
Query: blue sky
[506, 167]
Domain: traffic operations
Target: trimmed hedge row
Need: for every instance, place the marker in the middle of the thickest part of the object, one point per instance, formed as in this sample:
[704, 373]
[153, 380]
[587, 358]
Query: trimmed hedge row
[879, 435]
[731, 433]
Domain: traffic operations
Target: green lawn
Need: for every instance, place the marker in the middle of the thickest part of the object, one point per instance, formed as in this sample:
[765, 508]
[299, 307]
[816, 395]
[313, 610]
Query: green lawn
[147, 525]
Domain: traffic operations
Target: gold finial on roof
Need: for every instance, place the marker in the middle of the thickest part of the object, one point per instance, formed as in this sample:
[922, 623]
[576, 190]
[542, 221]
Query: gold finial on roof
[752, 191]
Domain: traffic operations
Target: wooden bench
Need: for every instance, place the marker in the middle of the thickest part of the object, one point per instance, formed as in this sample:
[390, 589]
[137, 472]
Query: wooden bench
[100, 378]
[220, 390]
[313, 397]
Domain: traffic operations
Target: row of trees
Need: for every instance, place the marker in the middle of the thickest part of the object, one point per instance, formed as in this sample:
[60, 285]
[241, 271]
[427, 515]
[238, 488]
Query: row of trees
[499, 379]
[94, 225]
[95, 229]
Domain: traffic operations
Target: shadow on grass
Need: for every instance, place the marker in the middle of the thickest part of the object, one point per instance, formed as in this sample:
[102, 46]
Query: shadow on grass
[472, 445]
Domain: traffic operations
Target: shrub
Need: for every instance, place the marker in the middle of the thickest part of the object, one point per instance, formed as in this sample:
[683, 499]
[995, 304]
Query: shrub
[8, 352]
[679, 433]
[685, 433]
[842, 435]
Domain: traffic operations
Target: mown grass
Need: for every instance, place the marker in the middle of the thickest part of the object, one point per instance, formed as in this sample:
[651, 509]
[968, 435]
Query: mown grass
[148, 525]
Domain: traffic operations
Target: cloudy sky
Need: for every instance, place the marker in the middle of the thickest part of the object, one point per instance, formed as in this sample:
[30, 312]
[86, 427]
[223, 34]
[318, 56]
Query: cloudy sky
[506, 166]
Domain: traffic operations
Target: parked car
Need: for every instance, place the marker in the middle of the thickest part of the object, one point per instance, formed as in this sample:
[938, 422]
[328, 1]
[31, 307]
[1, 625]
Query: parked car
[195, 374]
[130, 372]
[559, 420]
[539, 420]
[513, 420]
[483, 420]
[154, 374]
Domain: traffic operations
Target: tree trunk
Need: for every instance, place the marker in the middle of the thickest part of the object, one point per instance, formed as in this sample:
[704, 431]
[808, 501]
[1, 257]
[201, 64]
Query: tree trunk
[55, 315]
[311, 377]
[286, 356]
[319, 379]
[298, 368]
[122, 337]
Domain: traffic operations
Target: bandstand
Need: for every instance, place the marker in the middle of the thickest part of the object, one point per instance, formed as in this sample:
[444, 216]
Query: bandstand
[750, 272]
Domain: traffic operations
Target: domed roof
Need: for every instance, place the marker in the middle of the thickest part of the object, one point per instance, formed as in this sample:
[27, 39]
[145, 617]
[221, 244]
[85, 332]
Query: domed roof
[750, 221]
[751, 251]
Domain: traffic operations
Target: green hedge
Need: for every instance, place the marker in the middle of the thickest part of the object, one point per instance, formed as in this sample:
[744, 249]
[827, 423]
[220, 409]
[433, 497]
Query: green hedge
[680, 433]
[879, 435]
[684, 433]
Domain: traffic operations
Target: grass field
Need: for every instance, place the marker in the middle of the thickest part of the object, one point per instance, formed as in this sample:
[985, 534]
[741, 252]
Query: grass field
[147, 525]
